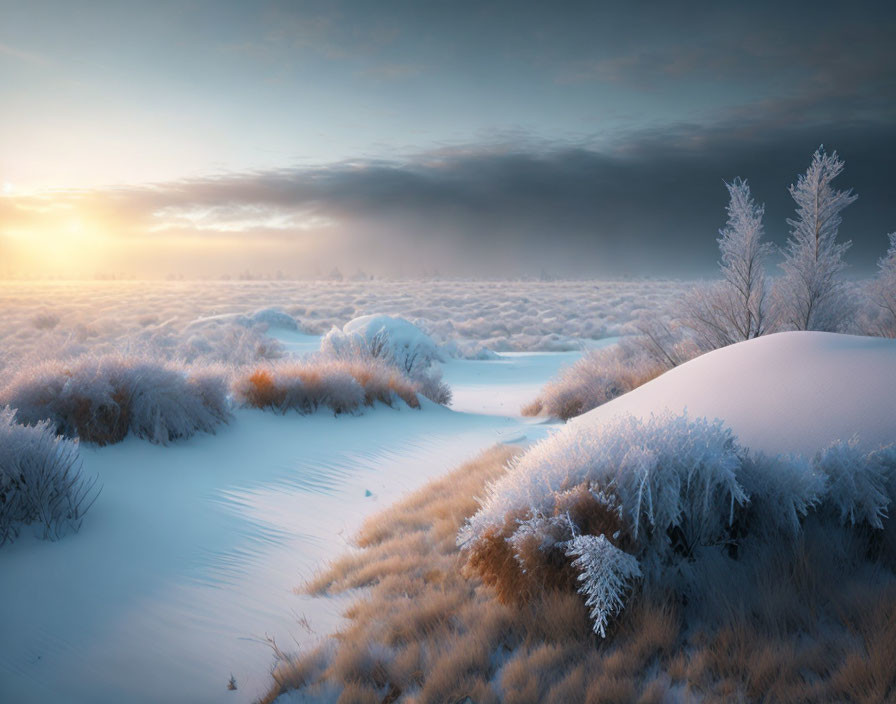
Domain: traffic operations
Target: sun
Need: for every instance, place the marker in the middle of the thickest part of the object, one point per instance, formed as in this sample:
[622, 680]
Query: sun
[8, 188]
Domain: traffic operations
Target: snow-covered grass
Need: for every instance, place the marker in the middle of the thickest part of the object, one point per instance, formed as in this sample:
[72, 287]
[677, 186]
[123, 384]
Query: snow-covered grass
[189, 557]
[41, 483]
[342, 385]
[641, 501]
[810, 620]
[643, 553]
[103, 399]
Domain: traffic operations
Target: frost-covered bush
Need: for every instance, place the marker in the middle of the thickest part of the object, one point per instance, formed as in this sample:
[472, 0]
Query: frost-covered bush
[342, 385]
[41, 482]
[858, 483]
[102, 399]
[598, 377]
[45, 320]
[652, 497]
[394, 342]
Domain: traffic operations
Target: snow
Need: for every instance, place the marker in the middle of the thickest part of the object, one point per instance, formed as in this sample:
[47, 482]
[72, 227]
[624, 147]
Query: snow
[516, 375]
[789, 392]
[191, 555]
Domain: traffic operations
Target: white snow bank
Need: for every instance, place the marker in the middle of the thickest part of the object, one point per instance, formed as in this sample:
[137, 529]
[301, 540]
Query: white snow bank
[790, 392]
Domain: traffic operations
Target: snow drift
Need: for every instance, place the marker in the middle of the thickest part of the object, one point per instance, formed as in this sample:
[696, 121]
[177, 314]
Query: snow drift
[697, 467]
[788, 392]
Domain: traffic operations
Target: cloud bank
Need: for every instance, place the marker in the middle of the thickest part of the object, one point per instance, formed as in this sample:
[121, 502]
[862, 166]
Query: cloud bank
[650, 205]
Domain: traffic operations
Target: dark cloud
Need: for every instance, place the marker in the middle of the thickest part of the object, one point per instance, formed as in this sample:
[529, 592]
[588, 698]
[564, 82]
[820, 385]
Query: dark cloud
[651, 204]
[608, 127]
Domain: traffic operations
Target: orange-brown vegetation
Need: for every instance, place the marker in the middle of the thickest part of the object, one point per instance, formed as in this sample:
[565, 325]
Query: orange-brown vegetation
[429, 627]
[343, 386]
[598, 377]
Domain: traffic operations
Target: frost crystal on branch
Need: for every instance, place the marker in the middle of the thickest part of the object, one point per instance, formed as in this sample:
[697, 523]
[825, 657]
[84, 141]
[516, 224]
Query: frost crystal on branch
[606, 574]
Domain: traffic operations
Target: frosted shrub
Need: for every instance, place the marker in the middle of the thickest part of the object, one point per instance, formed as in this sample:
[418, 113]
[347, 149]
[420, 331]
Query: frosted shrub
[782, 491]
[40, 480]
[857, 482]
[432, 387]
[45, 320]
[165, 404]
[102, 399]
[394, 342]
[343, 386]
[634, 499]
[598, 377]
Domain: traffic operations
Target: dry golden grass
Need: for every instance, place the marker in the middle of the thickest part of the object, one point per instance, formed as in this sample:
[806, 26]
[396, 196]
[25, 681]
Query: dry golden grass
[525, 570]
[340, 385]
[429, 630]
[595, 379]
[260, 391]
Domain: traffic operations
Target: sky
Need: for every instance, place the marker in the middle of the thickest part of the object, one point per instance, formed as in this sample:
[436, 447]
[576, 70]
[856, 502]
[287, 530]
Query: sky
[470, 138]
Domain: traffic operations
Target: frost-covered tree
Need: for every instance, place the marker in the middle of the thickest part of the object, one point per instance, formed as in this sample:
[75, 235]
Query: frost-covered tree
[810, 294]
[883, 290]
[736, 308]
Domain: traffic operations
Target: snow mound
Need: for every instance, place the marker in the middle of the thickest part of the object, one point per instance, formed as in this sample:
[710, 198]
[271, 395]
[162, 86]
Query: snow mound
[275, 318]
[656, 482]
[793, 392]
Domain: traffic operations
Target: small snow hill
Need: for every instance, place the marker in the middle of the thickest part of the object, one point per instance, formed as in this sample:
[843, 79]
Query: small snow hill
[789, 392]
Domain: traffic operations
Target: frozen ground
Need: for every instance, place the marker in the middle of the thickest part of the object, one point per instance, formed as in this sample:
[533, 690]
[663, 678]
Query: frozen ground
[190, 556]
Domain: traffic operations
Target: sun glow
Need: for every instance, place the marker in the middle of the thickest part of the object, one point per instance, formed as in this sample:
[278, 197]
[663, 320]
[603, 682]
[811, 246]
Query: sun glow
[53, 237]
